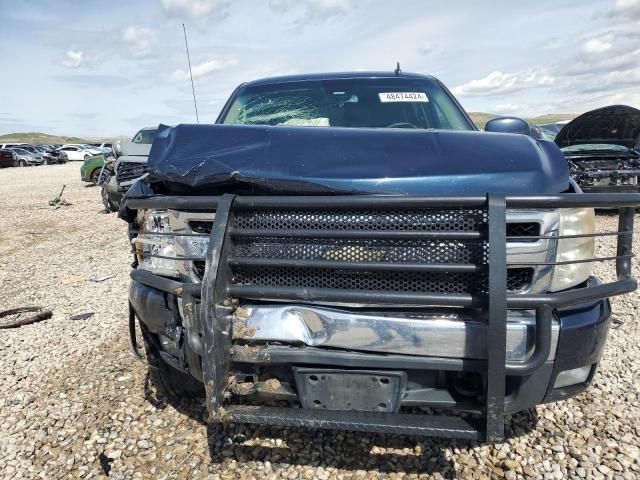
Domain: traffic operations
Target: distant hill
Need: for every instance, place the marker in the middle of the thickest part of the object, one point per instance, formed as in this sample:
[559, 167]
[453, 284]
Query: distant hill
[38, 137]
[481, 118]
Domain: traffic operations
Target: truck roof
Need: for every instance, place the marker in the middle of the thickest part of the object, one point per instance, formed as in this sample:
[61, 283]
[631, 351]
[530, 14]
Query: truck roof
[337, 76]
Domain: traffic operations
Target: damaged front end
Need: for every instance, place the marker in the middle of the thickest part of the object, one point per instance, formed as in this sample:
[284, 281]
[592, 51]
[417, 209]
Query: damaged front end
[298, 306]
[391, 306]
[602, 148]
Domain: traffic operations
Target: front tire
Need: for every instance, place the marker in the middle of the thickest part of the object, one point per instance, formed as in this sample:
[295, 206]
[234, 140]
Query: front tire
[109, 204]
[22, 163]
[168, 380]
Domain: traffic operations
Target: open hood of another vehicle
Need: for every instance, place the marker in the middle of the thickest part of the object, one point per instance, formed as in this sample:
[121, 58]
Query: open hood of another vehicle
[616, 124]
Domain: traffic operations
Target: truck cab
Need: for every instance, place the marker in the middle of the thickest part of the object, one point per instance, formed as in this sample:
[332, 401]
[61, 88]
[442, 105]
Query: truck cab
[348, 251]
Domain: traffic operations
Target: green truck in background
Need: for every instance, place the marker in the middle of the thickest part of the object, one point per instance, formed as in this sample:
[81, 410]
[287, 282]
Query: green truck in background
[96, 169]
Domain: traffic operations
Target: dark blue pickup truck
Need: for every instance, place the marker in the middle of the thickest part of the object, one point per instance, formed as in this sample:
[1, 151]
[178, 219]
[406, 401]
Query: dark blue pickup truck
[347, 251]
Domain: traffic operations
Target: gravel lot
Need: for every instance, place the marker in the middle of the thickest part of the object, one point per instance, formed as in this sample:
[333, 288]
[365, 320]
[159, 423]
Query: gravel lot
[74, 402]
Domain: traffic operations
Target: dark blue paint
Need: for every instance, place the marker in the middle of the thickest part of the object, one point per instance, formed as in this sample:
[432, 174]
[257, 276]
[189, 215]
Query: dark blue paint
[337, 76]
[508, 125]
[381, 161]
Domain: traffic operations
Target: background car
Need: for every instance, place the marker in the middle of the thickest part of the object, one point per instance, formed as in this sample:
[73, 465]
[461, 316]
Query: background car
[91, 148]
[105, 148]
[602, 147]
[32, 149]
[94, 170]
[10, 145]
[7, 158]
[55, 156]
[130, 166]
[46, 150]
[76, 152]
[25, 158]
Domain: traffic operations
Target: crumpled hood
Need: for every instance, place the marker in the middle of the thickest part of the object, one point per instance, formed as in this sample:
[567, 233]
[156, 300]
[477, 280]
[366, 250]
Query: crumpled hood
[616, 124]
[212, 159]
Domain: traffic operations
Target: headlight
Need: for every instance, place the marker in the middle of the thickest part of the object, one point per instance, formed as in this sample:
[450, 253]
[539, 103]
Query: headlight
[574, 221]
[163, 251]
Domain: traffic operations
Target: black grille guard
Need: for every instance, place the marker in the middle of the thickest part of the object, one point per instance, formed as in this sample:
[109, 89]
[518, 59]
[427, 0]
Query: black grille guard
[219, 294]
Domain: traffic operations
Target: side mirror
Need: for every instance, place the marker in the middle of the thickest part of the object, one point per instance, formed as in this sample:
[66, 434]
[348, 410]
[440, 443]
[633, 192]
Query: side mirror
[508, 125]
[116, 149]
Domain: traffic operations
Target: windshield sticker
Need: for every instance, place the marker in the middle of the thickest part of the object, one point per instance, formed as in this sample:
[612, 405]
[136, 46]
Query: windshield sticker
[387, 97]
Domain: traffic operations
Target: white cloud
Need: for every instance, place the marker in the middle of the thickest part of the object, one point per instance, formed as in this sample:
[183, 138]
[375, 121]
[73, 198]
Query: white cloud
[140, 40]
[627, 8]
[74, 59]
[202, 69]
[197, 10]
[497, 83]
[313, 10]
[595, 45]
[507, 108]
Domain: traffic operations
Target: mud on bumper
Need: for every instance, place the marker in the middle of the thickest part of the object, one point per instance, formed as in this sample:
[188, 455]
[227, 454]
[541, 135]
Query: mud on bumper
[567, 331]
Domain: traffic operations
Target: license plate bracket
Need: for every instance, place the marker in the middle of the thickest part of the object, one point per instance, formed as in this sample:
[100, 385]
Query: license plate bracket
[333, 389]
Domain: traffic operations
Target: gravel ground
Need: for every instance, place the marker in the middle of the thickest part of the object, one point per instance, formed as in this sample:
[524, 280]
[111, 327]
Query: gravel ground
[75, 404]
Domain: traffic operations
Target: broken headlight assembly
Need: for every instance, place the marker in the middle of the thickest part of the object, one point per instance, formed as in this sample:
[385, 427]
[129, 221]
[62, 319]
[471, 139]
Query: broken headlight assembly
[164, 248]
[579, 225]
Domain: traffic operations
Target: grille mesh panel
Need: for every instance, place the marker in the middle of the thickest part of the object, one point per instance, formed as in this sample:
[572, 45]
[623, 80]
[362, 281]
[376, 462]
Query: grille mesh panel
[377, 281]
[391, 251]
[523, 229]
[378, 250]
[518, 278]
[452, 220]
[130, 171]
[432, 282]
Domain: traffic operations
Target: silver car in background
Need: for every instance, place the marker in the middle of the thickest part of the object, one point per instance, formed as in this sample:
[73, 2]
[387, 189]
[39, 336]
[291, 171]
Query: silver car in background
[25, 157]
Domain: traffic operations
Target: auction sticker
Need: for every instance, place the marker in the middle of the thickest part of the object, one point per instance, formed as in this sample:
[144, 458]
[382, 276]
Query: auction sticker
[386, 97]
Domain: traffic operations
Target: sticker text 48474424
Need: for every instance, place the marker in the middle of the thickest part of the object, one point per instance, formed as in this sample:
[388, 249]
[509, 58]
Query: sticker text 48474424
[386, 97]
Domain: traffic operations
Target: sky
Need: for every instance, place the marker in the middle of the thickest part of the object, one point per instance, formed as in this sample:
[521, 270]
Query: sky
[109, 67]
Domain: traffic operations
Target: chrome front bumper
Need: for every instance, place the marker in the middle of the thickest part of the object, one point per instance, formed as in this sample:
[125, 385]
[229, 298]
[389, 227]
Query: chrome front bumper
[436, 333]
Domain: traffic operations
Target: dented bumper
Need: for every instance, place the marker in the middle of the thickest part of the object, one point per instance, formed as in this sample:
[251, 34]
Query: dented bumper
[435, 333]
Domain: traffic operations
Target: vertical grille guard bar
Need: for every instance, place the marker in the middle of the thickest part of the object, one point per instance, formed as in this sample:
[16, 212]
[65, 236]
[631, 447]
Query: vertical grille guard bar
[497, 318]
[625, 242]
[541, 346]
[216, 351]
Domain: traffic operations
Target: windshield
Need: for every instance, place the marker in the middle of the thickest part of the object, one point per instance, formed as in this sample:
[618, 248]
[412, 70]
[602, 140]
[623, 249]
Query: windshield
[144, 136]
[20, 151]
[590, 147]
[359, 103]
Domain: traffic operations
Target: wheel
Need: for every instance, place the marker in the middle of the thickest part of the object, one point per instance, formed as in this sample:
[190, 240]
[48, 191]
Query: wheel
[109, 204]
[99, 176]
[168, 380]
[86, 157]
[22, 163]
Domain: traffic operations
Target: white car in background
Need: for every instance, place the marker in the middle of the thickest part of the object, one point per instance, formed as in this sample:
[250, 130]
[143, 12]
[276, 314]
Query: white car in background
[77, 152]
[92, 148]
[105, 148]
